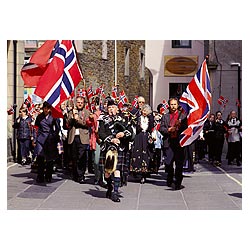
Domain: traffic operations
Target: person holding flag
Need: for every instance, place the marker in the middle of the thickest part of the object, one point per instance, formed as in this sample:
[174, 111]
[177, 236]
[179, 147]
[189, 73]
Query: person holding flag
[172, 125]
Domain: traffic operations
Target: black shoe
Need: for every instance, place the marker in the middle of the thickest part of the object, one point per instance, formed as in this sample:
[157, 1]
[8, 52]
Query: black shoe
[238, 163]
[142, 180]
[109, 193]
[169, 184]
[115, 198]
[40, 180]
[82, 180]
[48, 179]
[229, 163]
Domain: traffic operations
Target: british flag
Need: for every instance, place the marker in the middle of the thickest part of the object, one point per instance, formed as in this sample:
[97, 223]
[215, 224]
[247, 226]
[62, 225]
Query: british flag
[61, 77]
[196, 101]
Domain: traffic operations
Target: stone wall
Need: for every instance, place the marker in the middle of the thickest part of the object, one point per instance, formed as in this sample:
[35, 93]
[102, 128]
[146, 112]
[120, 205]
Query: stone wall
[98, 71]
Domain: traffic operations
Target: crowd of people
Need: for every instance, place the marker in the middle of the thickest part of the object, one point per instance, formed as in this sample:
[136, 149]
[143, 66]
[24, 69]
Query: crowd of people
[113, 143]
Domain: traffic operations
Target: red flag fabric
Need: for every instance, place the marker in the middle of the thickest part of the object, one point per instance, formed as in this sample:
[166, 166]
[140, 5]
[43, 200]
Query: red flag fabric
[61, 76]
[196, 101]
[32, 71]
[135, 102]
[222, 101]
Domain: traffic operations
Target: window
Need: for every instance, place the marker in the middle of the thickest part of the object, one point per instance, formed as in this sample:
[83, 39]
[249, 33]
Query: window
[126, 71]
[181, 44]
[142, 63]
[176, 89]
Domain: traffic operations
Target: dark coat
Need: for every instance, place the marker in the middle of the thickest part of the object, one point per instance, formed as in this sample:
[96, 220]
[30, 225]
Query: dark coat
[23, 127]
[47, 137]
[165, 125]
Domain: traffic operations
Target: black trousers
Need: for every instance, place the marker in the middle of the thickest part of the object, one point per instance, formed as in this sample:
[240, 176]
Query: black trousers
[79, 153]
[178, 158]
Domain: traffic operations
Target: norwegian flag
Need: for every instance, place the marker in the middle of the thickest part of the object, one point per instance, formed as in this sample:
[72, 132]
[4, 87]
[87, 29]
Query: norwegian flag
[114, 92]
[196, 102]
[238, 103]
[100, 91]
[122, 99]
[28, 101]
[135, 102]
[61, 76]
[81, 92]
[32, 109]
[38, 63]
[222, 101]
[90, 92]
[164, 107]
[11, 110]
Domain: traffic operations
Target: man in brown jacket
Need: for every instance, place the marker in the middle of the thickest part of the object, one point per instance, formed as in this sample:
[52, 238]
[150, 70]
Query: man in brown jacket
[79, 120]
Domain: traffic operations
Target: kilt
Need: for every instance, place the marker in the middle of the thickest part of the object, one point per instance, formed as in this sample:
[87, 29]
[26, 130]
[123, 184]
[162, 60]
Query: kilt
[121, 164]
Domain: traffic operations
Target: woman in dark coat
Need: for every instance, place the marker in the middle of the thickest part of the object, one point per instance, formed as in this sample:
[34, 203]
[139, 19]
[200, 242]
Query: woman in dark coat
[46, 143]
[24, 134]
[142, 151]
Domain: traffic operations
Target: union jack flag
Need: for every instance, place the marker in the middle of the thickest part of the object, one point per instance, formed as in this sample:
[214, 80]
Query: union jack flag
[196, 101]
[61, 76]
[222, 101]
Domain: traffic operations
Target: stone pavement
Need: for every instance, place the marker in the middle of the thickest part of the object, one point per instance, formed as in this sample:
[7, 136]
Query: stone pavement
[208, 188]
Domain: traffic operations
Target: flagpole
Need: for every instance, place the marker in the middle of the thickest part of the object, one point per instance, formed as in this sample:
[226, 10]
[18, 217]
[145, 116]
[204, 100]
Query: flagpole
[115, 63]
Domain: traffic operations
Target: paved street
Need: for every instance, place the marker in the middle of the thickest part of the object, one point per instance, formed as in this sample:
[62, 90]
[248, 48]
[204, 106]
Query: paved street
[208, 188]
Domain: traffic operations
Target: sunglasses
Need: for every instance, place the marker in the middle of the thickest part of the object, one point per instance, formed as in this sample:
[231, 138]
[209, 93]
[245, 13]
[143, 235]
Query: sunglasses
[141, 102]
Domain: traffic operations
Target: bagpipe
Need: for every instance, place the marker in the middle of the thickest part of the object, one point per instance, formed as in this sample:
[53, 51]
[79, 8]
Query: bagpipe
[111, 159]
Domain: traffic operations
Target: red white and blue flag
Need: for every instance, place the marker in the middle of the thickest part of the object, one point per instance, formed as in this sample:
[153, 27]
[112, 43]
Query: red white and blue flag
[196, 101]
[81, 92]
[114, 92]
[122, 99]
[222, 101]
[135, 102]
[61, 75]
[164, 107]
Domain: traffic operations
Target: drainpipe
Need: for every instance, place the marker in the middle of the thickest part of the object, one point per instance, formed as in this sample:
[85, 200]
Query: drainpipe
[14, 94]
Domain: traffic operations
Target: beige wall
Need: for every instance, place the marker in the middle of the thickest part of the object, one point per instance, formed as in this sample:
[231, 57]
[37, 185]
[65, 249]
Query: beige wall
[155, 52]
[10, 84]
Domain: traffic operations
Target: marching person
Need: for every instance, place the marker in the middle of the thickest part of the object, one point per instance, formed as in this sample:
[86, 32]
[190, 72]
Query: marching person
[115, 134]
[45, 142]
[78, 121]
[172, 124]
[142, 150]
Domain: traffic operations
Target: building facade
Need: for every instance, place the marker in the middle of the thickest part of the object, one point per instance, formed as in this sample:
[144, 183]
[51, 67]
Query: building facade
[173, 63]
[155, 69]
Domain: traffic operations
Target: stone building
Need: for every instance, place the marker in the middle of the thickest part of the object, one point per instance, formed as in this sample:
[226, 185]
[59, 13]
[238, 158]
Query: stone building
[112, 62]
